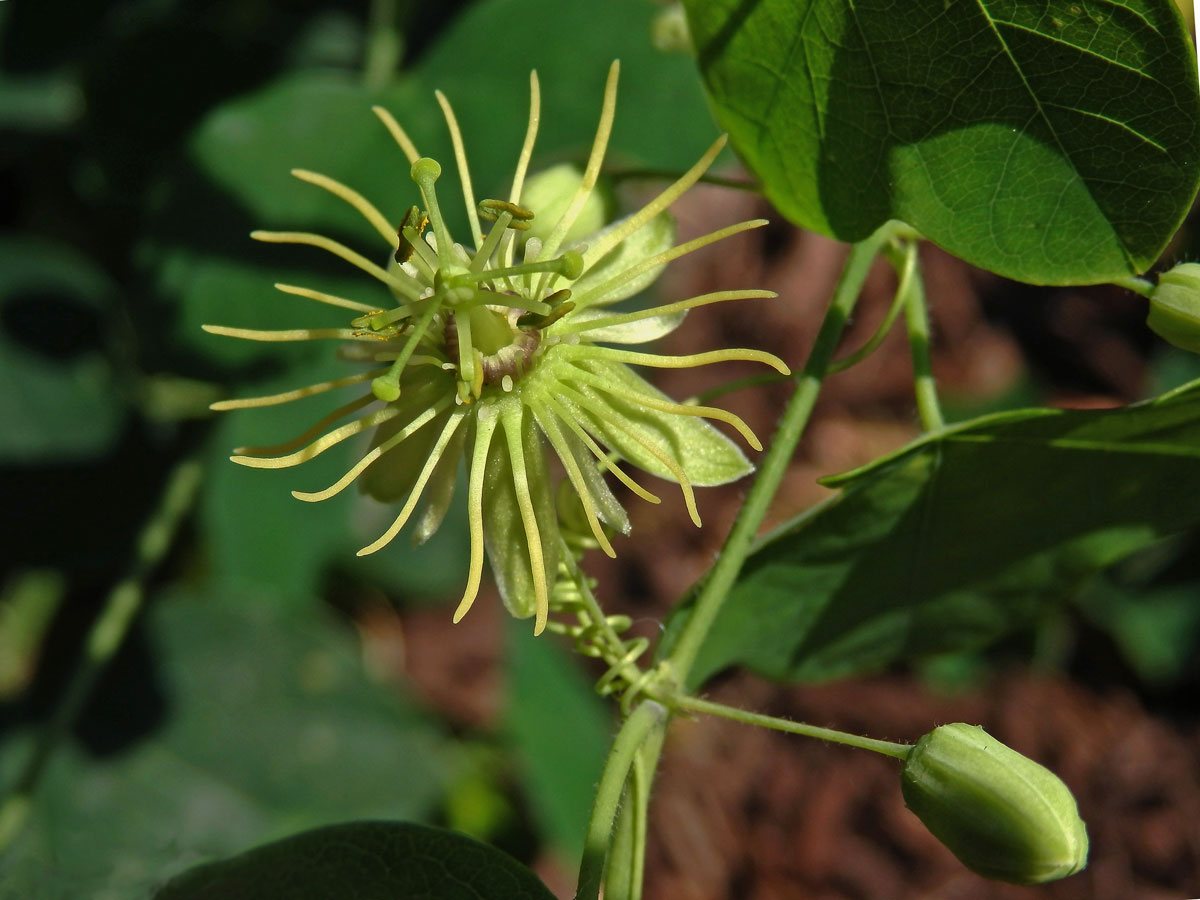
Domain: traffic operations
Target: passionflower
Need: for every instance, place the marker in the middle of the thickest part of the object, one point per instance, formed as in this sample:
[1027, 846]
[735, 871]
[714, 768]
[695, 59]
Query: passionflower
[500, 352]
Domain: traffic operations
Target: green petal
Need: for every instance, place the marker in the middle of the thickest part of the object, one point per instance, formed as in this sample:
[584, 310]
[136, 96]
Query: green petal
[656, 236]
[640, 331]
[706, 455]
[504, 534]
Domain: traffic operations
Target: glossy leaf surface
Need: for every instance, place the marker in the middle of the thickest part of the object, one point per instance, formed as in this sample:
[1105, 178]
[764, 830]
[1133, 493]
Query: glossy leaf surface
[959, 538]
[366, 861]
[1050, 142]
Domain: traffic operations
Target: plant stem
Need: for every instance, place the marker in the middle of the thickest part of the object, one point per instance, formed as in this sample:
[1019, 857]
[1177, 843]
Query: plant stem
[641, 734]
[917, 319]
[887, 748]
[645, 719]
[905, 271]
[1137, 285]
[682, 654]
[104, 639]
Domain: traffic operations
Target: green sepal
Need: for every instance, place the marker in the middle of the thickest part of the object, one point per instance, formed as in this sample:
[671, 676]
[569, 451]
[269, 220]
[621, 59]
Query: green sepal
[1002, 814]
[504, 532]
[706, 456]
[656, 236]
[639, 331]
[608, 508]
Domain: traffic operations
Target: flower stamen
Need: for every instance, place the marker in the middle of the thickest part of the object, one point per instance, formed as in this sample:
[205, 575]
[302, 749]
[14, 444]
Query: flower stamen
[387, 386]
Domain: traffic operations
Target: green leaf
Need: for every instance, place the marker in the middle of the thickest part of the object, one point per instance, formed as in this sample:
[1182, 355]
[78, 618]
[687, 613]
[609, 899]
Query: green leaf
[262, 540]
[561, 731]
[366, 861]
[53, 409]
[271, 727]
[1050, 142]
[661, 119]
[958, 538]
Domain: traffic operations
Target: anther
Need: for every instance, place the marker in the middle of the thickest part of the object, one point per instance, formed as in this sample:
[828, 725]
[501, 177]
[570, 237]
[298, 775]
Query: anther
[560, 304]
[415, 221]
[493, 209]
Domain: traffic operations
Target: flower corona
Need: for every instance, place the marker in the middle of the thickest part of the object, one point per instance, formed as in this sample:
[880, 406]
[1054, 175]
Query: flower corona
[497, 351]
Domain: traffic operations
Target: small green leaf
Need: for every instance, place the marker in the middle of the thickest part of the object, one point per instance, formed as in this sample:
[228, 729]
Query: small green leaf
[958, 538]
[1050, 142]
[365, 861]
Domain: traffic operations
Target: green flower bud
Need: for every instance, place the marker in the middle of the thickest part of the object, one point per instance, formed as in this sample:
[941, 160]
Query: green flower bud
[1175, 307]
[551, 191]
[1003, 815]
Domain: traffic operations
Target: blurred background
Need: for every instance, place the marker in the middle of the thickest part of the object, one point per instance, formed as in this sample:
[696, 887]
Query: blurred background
[275, 682]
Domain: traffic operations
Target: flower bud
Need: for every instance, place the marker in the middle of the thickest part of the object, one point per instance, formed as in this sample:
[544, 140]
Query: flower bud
[1003, 815]
[1175, 307]
[550, 192]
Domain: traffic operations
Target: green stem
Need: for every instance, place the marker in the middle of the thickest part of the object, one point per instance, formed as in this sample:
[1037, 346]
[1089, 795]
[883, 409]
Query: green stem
[103, 640]
[647, 718]
[1137, 285]
[384, 46]
[623, 848]
[905, 271]
[887, 748]
[917, 319]
[682, 655]
[629, 671]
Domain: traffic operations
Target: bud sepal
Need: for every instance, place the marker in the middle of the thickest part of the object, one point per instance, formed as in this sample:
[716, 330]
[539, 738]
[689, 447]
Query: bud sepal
[1175, 307]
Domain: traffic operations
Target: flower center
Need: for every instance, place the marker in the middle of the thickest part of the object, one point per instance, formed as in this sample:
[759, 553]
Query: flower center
[505, 349]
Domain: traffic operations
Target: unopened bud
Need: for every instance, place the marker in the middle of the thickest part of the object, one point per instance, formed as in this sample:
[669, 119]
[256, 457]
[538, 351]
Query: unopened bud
[1003, 815]
[550, 192]
[1175, 307]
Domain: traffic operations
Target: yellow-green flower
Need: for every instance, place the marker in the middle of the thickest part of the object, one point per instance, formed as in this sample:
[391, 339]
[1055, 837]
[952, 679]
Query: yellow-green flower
[494, 351]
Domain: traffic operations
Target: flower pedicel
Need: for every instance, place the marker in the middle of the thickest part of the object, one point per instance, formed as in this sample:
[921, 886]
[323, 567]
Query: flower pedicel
[495, 353]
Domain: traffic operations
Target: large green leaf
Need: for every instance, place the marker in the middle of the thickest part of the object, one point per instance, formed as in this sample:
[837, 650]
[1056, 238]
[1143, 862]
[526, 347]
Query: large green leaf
[365, 861]
[53, 408]
[271, 726]
[1052, 142]
[958, 538]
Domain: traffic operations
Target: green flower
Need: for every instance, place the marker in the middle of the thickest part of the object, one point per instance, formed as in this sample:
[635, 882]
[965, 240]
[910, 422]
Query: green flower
[496, 352]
